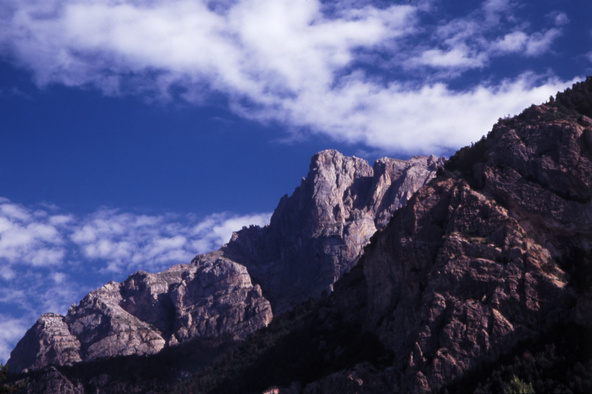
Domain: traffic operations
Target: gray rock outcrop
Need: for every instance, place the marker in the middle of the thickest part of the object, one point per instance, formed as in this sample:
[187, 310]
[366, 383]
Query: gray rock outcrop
[319, 233]
[211, 297]
[49, 332]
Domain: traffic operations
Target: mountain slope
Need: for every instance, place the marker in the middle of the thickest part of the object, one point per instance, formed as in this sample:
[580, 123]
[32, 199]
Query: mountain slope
[477, 284]
[318, 233]
[484, 260]
[486, 271]
[211, 297]
[315, 236]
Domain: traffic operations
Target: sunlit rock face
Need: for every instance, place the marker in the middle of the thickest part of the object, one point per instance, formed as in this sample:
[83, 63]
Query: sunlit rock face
[319, 233]
[211, 297]
[496, 252]
[315, 236]
[48, 341]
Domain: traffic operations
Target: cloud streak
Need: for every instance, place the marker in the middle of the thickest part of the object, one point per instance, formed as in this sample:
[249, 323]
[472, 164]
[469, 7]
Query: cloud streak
[50, 259]
[302, 64]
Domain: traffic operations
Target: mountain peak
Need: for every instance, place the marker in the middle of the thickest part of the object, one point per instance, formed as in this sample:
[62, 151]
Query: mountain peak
[325, 223]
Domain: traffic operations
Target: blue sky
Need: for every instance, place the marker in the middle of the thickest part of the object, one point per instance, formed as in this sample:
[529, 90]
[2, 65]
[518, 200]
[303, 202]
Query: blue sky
[135, 134]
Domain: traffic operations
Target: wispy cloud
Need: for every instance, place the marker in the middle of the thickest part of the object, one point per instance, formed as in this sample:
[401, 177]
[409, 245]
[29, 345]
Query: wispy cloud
[473, 40]
[299, 63]
[126, 241]
[49, 258]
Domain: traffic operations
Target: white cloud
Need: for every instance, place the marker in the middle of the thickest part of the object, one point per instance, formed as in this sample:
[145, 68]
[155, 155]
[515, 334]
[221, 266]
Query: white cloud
[390, 117]
[291, 62]
[533, 45]
[6, 272]
[13, 211]
[493, 7]
[458, 57]
[560, 18]
[58, 277]
[540, 43]
[27, 239]
[512, 42]
[128, 242]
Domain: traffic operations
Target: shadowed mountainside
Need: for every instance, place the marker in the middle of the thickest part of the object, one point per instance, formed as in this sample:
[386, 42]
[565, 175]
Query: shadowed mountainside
[482, 282]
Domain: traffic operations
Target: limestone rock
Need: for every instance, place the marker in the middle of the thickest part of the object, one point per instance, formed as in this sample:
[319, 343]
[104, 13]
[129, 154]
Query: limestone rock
[48, 341]
[216, 298]
[318, 233]
[106, 329]
[211, 297]
[454, 282]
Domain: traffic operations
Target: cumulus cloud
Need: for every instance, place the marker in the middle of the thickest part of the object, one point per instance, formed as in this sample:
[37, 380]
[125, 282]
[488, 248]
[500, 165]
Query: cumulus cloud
[302, 64]
[560, 18]
[123, 241]
[50, 259]
[473, 40]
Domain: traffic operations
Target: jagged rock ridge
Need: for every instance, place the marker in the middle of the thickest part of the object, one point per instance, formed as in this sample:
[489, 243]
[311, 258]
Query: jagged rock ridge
[490, 263]
[315, 236]
[318, 233]
[494, 253]
[211, 297]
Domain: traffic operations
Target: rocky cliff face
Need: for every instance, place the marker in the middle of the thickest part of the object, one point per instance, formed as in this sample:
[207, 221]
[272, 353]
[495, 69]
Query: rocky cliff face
[211, 297]
[318, 233]
[495, 253]
[456, 282]
[487, 266]
[315, 236]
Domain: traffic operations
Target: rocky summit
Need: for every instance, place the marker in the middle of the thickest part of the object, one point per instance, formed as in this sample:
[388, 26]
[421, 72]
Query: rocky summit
[319, 233]
[212, 296]
[489, 266]
[381, 279]
[314, 237]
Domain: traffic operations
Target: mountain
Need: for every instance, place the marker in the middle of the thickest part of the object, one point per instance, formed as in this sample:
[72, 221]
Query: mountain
[318, 233]
[211, 297]
[481, 282]
[314, 237]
